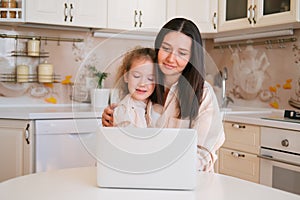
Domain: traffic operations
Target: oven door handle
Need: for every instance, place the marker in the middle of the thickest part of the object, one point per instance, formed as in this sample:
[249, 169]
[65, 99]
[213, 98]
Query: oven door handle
[267, 157]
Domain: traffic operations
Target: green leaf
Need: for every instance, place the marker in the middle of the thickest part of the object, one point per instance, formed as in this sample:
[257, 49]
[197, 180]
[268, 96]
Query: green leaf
[100, 75]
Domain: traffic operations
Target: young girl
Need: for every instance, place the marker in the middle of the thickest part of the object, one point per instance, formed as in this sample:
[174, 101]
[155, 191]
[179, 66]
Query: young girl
[136, 82]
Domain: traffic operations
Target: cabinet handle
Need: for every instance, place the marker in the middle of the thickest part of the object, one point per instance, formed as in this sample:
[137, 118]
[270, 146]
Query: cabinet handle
[27, 134]
[285, 143]
[249, 14]
[253, 14]
[238, 126]
[237, 155]
[270, 158]
[215, 20]
[135, 15]
[71, 12]
[140, 18]
[66, 12]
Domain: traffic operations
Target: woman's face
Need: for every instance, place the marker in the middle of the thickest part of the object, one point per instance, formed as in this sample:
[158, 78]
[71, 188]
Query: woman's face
[174, 53]
[140, 79]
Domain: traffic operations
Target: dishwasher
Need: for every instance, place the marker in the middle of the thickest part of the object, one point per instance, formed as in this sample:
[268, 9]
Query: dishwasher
[64, 143]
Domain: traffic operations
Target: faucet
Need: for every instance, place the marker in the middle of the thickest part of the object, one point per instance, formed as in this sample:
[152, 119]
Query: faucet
[225, 99]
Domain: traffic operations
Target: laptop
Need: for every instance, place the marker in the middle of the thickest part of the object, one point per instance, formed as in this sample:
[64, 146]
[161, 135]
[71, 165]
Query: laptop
[146, 158]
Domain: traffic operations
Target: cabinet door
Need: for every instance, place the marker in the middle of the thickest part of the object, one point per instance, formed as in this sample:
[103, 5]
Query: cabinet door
[235, 15]
[239, 164]
[122, 14]
[242, 137]
[136, 14]
[203, 13]
[83, 13]
[272, 12]
[15, 151]
[88, 13]
[48, 12]
[152, 14]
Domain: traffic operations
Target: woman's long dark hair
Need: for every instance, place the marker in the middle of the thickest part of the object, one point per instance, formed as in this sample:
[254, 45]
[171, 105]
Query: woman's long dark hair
[190, 83]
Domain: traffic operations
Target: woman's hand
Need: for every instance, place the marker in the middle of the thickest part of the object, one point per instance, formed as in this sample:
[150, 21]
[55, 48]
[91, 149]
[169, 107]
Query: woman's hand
[107, 115]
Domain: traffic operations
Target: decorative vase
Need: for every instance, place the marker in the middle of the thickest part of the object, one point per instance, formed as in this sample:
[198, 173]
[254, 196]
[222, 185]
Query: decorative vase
[99, 97]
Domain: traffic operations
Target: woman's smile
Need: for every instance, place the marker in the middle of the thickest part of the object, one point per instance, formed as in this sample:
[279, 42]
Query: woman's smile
[169, 66]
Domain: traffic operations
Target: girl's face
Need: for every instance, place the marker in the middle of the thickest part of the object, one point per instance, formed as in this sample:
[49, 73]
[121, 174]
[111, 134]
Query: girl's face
[174, 53]
[141, 79]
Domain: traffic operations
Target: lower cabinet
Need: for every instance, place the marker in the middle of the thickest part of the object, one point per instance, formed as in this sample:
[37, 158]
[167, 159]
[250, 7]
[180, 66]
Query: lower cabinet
[238, 155]
[16, 148]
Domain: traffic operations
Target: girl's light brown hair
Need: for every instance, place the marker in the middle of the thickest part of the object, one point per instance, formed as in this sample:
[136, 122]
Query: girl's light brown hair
[135, 54]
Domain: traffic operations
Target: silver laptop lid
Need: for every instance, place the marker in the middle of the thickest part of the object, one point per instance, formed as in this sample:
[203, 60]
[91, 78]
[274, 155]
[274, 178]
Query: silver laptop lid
[146, 158]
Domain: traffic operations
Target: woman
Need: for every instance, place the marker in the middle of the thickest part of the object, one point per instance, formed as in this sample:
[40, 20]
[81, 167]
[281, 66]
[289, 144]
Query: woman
[188, 100]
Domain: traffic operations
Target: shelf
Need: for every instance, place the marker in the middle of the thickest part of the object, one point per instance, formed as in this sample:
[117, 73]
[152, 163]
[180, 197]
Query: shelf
[268, 43]
[57, 39]
[30, 78]
[25, 54]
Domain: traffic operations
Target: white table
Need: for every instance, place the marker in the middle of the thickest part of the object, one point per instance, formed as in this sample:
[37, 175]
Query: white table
[80, 184]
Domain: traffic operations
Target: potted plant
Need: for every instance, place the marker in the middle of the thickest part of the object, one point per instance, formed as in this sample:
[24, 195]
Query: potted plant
[99, 95]
[101, 76]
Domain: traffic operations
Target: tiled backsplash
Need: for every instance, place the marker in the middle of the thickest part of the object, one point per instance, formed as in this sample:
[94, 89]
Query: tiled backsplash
[262, 76]
[258, 75]
[69, 60]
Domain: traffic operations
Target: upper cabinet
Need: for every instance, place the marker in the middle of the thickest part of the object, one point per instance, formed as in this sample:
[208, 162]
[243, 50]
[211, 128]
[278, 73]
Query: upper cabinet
[256, 13]
[11, 11]
[203, 12]
[277, 12]
[136, 14]
[82, 13]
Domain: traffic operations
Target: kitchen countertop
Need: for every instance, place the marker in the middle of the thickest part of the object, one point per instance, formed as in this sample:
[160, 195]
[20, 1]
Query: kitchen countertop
[80, 183]
[234, 114]
[51, 112]
[269, 118]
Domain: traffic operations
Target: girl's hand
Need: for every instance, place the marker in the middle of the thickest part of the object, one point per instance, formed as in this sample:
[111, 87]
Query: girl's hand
[107, 115]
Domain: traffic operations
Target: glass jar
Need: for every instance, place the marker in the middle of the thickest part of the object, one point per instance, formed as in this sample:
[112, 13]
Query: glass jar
[8, 4]
[45, 73]
[22, 73]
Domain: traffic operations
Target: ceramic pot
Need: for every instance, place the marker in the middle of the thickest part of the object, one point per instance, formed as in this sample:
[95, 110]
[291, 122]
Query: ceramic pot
[99, 97]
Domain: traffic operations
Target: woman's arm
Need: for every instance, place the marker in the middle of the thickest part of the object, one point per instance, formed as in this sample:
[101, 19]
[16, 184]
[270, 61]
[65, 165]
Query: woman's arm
[210, 129]
[107, 115]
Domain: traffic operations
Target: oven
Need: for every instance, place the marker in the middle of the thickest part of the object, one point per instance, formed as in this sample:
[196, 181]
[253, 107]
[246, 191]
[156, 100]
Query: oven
[280, 159]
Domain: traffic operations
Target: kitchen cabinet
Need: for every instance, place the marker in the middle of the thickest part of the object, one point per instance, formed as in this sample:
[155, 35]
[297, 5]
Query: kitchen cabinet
[256, 13]
[30, 146]
[16, 148]
[203, 13]
[82, 13]
[238, 155]
[137, 14]
[11, 11]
